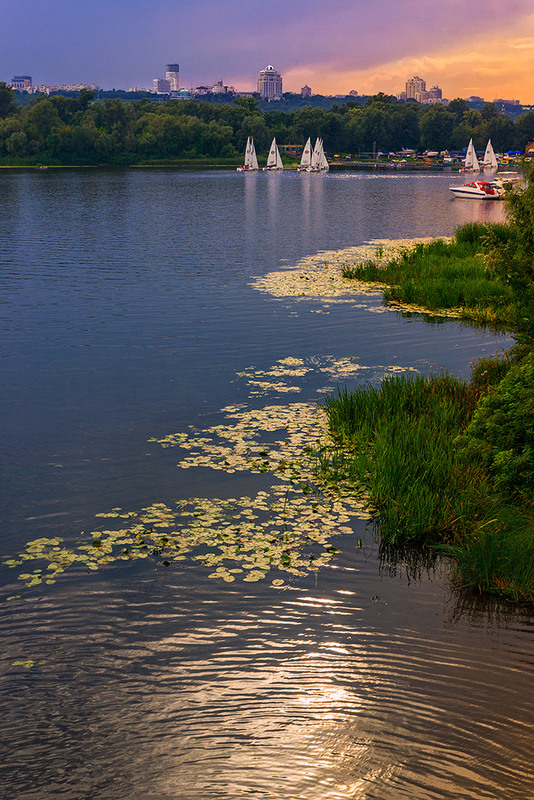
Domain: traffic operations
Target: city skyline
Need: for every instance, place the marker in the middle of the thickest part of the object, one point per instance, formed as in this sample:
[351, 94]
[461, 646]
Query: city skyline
[469, 48]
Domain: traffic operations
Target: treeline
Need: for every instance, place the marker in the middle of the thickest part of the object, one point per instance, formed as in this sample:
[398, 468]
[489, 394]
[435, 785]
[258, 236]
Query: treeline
[80, 130]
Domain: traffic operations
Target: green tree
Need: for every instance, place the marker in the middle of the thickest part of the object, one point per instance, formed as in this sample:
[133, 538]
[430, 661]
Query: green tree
[7, 100]
[512, 256]
[436, 125]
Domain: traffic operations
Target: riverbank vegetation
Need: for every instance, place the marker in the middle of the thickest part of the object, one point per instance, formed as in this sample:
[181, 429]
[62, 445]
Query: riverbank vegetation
[447, 463]
[80, 130]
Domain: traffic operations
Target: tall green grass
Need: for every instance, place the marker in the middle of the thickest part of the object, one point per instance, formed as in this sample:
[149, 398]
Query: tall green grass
[397, 442]
[444, 275]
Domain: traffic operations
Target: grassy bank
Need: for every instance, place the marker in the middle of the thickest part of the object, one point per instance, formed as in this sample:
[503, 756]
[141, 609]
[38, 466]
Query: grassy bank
[415, 446]
[446, 276]
[448, 464]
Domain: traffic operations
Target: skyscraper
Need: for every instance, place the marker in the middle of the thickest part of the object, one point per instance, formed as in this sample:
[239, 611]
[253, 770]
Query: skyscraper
[172, 74]
[270, 83]
[415, 86]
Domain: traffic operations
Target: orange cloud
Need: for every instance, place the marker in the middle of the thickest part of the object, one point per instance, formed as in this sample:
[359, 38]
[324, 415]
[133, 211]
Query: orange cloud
[490, 66]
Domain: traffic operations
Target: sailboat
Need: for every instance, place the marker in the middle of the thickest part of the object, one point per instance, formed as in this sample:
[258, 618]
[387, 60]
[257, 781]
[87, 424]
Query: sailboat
[471, 160]
[274, 161]
[489, 161]
[251, 162]
[318, 159]
[305, 160]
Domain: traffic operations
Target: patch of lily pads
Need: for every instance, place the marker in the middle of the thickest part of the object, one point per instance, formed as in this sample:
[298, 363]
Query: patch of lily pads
[320, 277]
[284, 531]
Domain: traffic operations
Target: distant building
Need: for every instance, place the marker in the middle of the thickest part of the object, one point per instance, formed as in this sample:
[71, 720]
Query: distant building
[161, 86]
[270, 83]
[21, 82]
[66, 87]
[416, 90]
[172, 74]
[305, 91]
[415, 86]
[353, 93]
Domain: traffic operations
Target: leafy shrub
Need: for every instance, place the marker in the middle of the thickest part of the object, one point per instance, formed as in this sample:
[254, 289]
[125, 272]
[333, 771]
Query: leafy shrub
[500, 436]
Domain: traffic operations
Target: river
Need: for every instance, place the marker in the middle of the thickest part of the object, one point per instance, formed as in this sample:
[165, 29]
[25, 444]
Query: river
[145, 364]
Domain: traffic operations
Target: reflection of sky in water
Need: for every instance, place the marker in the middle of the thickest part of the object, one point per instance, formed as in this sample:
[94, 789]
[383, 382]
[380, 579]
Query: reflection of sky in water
[127, 314]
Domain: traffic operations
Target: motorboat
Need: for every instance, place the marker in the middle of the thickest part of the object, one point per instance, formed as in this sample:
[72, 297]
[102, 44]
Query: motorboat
[478, 190]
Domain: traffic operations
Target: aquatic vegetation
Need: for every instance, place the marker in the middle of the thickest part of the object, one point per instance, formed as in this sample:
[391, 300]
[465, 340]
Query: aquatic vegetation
[443, 276]
[397, 441]
[282, 530]
[324, 275]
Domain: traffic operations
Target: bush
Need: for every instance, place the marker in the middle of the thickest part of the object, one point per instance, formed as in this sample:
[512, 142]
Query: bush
[500, 436]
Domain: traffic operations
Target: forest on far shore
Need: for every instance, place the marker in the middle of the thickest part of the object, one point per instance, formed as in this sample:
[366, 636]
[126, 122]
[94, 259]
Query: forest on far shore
[84, 131]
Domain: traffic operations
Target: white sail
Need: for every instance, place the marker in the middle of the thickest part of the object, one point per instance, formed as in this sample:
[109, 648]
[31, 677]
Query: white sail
[318, 159]
[490, 160]
[305, 160]
[471, 160]
[324, 163]
[316, 155]
[274, 162]
[279, 164]
[253, 161]
[247, 153]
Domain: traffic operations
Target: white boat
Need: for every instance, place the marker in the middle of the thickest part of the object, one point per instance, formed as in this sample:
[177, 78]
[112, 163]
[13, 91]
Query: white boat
[489, 161]
[305, 160]
[251, 162]
[478, 190]
[503, 179]
[274, 161]
[471, 161]
[318, 159]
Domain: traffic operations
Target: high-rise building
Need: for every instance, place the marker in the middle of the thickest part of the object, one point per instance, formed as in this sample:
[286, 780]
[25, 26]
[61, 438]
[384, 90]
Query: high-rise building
[305, 91]
[161, 86]
[172, 74]
[21, 82]
[415, 86]
[270, 83]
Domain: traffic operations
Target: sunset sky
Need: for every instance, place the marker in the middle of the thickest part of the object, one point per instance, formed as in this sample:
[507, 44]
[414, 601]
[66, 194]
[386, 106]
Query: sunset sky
[475, 47]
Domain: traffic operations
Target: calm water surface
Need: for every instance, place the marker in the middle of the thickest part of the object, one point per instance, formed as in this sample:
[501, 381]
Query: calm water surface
[127, 313]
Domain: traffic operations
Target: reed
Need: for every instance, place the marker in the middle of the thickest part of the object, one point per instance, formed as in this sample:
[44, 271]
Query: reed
[398, 442]
[446, 276]
[498, 556]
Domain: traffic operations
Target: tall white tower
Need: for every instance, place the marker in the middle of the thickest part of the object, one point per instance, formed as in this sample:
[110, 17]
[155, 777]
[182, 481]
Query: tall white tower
[270, 83]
